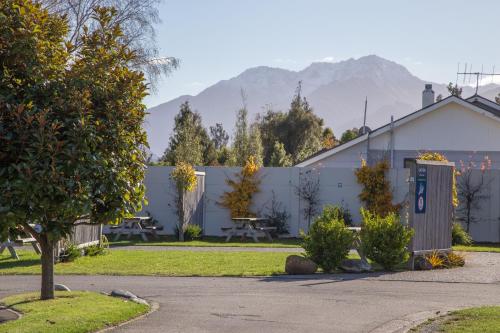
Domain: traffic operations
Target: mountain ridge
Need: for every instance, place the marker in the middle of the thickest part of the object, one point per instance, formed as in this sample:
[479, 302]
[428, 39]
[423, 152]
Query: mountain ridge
[336, 91]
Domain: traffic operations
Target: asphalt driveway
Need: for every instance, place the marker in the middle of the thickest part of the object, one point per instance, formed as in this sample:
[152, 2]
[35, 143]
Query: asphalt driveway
[336, 303]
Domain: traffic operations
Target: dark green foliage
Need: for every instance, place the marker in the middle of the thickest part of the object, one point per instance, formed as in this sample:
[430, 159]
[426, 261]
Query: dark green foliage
[219, 136]
[299, 130]
[385, 239]
[328, 241]
[349, 135]
[192, 232]
[454, 90]
[70, 253]
[190, 142]
[459, 236]
[277, 217]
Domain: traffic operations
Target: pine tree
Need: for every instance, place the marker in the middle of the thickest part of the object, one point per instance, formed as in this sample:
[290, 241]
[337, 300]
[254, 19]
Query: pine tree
[219, 136]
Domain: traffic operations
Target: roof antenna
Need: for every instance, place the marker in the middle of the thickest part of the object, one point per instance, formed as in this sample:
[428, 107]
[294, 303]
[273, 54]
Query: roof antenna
[364, 129]
[478, 75]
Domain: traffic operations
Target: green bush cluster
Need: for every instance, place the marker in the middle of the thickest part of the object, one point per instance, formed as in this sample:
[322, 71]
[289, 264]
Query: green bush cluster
[328, 241]
[70, 253]
[95, 250]
[459, 236]
[192, 232]
[385, 239]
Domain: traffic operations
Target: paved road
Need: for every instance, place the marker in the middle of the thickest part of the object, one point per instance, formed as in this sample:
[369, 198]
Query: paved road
[336, 303]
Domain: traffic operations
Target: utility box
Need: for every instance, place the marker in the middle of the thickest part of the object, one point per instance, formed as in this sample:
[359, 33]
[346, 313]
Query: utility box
[430, 209]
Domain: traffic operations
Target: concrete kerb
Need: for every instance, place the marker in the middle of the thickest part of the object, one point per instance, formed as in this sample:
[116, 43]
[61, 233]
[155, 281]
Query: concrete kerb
[406, 323]
[153, 308]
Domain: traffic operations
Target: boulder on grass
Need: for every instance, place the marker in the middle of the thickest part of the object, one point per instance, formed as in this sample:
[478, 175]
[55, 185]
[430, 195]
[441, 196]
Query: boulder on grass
[300, 265]
[61, 287]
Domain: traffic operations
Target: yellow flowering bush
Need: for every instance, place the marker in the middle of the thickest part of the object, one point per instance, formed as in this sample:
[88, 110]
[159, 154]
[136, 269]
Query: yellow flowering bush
[247, 182]
[184, 177]
[433, 156]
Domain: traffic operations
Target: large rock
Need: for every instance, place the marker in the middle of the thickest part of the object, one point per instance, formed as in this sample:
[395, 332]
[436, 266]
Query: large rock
[122, 293]
[300, 265]
[61, 287]
[355, 266]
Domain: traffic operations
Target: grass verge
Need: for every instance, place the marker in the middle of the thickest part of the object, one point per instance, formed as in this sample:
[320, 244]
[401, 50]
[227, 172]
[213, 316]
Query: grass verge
[483, 319]
[73, 312]
[161, 263]
[209, 242]
[479, 247]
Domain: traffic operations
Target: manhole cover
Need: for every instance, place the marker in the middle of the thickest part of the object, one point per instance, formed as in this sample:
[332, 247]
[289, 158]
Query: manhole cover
[6, 315]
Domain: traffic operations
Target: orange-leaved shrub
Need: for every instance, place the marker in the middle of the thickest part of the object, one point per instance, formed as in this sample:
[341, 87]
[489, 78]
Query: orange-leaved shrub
[376, 193]
[244, 187]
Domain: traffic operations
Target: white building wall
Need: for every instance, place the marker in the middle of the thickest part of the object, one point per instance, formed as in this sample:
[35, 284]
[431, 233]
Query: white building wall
[337, 186]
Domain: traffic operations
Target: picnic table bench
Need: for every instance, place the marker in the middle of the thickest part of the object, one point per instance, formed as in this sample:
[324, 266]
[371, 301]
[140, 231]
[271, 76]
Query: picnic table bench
[251, 226]
[9, 245]
[138, 225]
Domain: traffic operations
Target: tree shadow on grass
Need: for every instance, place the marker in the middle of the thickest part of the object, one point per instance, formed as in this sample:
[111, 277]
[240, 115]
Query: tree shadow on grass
[8, 262]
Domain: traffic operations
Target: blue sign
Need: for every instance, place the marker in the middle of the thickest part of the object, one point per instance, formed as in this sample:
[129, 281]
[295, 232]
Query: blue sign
[421, 189]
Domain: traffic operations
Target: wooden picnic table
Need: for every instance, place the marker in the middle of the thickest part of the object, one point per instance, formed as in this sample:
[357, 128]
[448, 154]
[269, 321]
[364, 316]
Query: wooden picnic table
[135, 226]
[10, 245]
[249, 226]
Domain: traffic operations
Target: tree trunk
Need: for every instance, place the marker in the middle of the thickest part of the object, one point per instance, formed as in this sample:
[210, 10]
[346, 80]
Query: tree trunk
[47, 291]
[181, 215]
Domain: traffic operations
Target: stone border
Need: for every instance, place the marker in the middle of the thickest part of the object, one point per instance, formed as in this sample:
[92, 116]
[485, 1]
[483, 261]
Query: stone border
[406, 323]
[154, 306]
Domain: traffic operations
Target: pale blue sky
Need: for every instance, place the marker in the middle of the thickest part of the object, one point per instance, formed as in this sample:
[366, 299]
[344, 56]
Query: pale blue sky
[218, 39]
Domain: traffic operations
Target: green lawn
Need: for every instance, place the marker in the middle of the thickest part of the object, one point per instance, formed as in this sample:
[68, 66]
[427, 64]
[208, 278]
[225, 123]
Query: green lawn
[479, 247]
[164, 263]
[483, 319]
[209, 241]
[73, 312]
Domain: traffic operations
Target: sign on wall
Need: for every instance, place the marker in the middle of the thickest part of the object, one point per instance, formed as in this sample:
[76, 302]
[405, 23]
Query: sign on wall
[421, 189]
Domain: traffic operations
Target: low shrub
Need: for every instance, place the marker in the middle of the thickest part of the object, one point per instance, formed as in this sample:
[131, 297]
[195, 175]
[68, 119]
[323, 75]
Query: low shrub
[95, 250]
[385, 239]
[436, 259]
[277, 217]
[192, 232]
[459, 236]
[454, 259]
[328, 241]
[70, 253]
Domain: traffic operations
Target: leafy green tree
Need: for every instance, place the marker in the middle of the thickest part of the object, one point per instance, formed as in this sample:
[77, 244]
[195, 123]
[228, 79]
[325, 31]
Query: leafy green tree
[219, 136]
[279, 157]
[454, 90]
[71, 134]
[300, 130]
[255, 148]
[304, 129]
[189, 143]
[272, 129]
[241, 138]
[349, 135]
